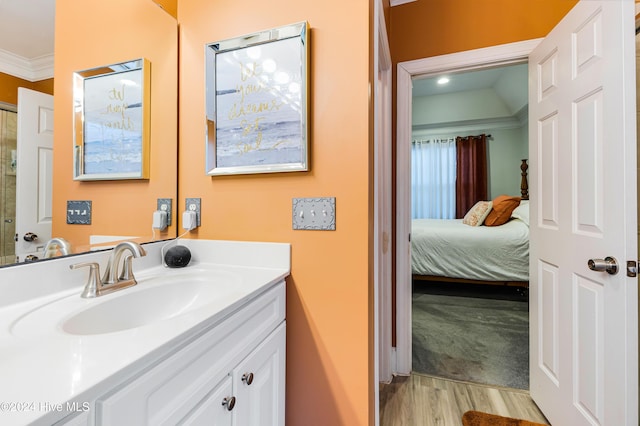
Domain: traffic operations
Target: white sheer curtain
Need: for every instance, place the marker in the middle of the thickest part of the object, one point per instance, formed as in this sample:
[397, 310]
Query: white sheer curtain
[433, 179]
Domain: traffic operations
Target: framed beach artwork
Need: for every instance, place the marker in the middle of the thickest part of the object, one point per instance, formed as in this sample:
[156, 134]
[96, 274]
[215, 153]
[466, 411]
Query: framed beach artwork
[111, 121]
[257, 102]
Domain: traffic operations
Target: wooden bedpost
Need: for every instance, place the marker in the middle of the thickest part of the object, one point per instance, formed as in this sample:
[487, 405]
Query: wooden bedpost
[524, 183]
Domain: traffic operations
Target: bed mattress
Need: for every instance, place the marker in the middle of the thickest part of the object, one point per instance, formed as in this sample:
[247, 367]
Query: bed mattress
[449, 248]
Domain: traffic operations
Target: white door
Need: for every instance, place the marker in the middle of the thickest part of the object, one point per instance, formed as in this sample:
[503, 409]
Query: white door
[34, 174]
[584, 323]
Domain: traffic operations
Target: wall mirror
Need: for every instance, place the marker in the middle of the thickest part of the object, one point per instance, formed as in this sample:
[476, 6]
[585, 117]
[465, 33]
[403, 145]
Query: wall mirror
[122, 209]
[111, 121]
[257, 102]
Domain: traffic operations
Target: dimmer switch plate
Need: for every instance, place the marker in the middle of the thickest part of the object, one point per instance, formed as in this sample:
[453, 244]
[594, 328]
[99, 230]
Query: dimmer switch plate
[318, 214]
[164, 205]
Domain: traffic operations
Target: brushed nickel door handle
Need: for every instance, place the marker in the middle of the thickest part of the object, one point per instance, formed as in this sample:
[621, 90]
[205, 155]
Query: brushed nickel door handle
[608, 264]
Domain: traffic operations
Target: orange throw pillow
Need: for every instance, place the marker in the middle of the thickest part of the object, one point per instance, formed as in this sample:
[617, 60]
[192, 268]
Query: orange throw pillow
[503, 205]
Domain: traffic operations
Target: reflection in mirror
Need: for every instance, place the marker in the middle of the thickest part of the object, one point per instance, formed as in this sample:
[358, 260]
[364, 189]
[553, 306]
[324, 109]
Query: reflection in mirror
[111, 121]
[121, 210]
[8, 165]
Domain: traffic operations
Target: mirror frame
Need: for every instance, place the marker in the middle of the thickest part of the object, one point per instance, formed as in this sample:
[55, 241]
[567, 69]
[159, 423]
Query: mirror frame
[248, 137]
[91, 91]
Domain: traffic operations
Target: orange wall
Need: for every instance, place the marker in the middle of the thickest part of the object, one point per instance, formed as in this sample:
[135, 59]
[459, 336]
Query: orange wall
[428, 28]
[169, 6]
[112, 32]
[328, 294]
[9, 87]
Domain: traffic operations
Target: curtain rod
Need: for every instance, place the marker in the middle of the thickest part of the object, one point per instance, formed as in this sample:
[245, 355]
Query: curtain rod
[477, 136]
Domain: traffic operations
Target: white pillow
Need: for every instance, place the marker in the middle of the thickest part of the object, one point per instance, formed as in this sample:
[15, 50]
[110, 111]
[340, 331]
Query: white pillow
[478, 213]
[522, 212]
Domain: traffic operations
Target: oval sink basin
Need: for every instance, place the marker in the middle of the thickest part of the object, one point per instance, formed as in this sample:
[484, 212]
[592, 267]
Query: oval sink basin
[139, 308]
[150, 301]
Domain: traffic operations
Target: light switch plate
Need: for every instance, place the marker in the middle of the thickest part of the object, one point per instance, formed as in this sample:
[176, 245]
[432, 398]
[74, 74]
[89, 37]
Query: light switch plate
[318, 214]
[79, 212]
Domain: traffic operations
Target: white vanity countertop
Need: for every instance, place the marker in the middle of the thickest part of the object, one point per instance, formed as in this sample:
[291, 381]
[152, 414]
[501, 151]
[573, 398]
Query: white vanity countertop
[42, 367]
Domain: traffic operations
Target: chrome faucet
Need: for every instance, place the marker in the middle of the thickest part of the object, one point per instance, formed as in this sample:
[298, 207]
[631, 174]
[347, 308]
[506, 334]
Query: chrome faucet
[54, 244]
[112, 280]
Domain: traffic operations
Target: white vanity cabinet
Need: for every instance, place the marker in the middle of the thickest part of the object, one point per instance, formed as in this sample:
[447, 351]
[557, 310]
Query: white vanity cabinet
[253, 394]
[259, 383]
[230, 373]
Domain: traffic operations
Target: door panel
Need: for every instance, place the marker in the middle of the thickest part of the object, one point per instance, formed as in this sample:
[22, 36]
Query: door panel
[584, 323]
[34, 174]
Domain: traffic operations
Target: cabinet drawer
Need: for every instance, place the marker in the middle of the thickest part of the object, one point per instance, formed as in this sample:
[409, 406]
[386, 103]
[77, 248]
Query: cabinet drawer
[167, 392]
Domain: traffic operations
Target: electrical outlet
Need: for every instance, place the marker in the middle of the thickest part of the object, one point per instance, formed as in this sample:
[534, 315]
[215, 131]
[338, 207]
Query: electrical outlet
[164, 205]
[317, 214]
[193, 204]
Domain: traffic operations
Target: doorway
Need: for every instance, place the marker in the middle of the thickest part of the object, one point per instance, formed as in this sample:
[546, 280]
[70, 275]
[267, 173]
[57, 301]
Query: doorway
[8, 167]
[492, 57]
[461, 330]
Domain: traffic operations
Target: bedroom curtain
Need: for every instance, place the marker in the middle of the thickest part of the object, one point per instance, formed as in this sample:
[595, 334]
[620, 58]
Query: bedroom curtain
[433, 177]
[471, 175]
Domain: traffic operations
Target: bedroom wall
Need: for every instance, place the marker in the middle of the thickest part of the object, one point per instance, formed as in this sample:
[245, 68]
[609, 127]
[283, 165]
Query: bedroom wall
[449, 115]
[505, 149]
[480, 104]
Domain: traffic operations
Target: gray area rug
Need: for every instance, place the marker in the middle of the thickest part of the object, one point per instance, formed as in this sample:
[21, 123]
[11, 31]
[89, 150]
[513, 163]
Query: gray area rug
[472, 333]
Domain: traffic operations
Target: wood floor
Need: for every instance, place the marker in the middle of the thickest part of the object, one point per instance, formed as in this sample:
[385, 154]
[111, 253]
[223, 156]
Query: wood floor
[426, 401]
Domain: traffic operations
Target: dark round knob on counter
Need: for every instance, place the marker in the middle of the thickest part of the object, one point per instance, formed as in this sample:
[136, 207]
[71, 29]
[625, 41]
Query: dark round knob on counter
[177, 257]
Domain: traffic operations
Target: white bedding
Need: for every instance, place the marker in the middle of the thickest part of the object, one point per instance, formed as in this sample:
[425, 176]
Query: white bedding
[449, 248]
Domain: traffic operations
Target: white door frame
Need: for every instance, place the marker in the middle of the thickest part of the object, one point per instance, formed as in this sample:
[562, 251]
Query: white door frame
[382, 199]
[489, 57]
[382, 205]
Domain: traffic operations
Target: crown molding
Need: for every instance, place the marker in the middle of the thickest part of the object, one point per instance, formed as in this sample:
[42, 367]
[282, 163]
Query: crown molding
[487, 124]
[35, 69]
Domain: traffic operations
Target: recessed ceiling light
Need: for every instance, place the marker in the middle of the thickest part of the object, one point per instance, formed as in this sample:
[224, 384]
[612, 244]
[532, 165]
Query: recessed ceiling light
[443, 80]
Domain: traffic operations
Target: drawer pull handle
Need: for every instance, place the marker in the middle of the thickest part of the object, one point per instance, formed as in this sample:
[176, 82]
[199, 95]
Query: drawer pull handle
[247, 378]
[229, 403]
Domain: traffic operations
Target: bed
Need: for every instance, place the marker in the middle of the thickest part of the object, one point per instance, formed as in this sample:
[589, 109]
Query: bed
[448, 250]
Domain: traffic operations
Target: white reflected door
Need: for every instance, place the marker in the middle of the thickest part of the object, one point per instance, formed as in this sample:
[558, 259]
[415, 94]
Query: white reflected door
[34, 174]
[584, 323]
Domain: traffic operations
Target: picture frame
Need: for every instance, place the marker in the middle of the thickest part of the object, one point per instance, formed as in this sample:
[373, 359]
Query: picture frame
[257, 92]
[111, 121]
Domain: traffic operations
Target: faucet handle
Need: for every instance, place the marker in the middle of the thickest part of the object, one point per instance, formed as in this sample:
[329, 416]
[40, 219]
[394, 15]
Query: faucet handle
[127, 269]
[94, 283]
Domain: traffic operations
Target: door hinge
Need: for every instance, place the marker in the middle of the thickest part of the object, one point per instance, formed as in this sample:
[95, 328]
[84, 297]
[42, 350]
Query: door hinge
[632, 268]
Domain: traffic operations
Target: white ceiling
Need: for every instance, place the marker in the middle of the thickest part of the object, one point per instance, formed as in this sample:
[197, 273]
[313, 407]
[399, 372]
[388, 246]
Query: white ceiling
[509, 85]
[508, 82]
[27, 38]
[470, 80]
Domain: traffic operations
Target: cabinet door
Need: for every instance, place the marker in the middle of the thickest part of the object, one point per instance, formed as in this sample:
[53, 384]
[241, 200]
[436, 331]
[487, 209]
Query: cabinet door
[259, 383]
[216, 408]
